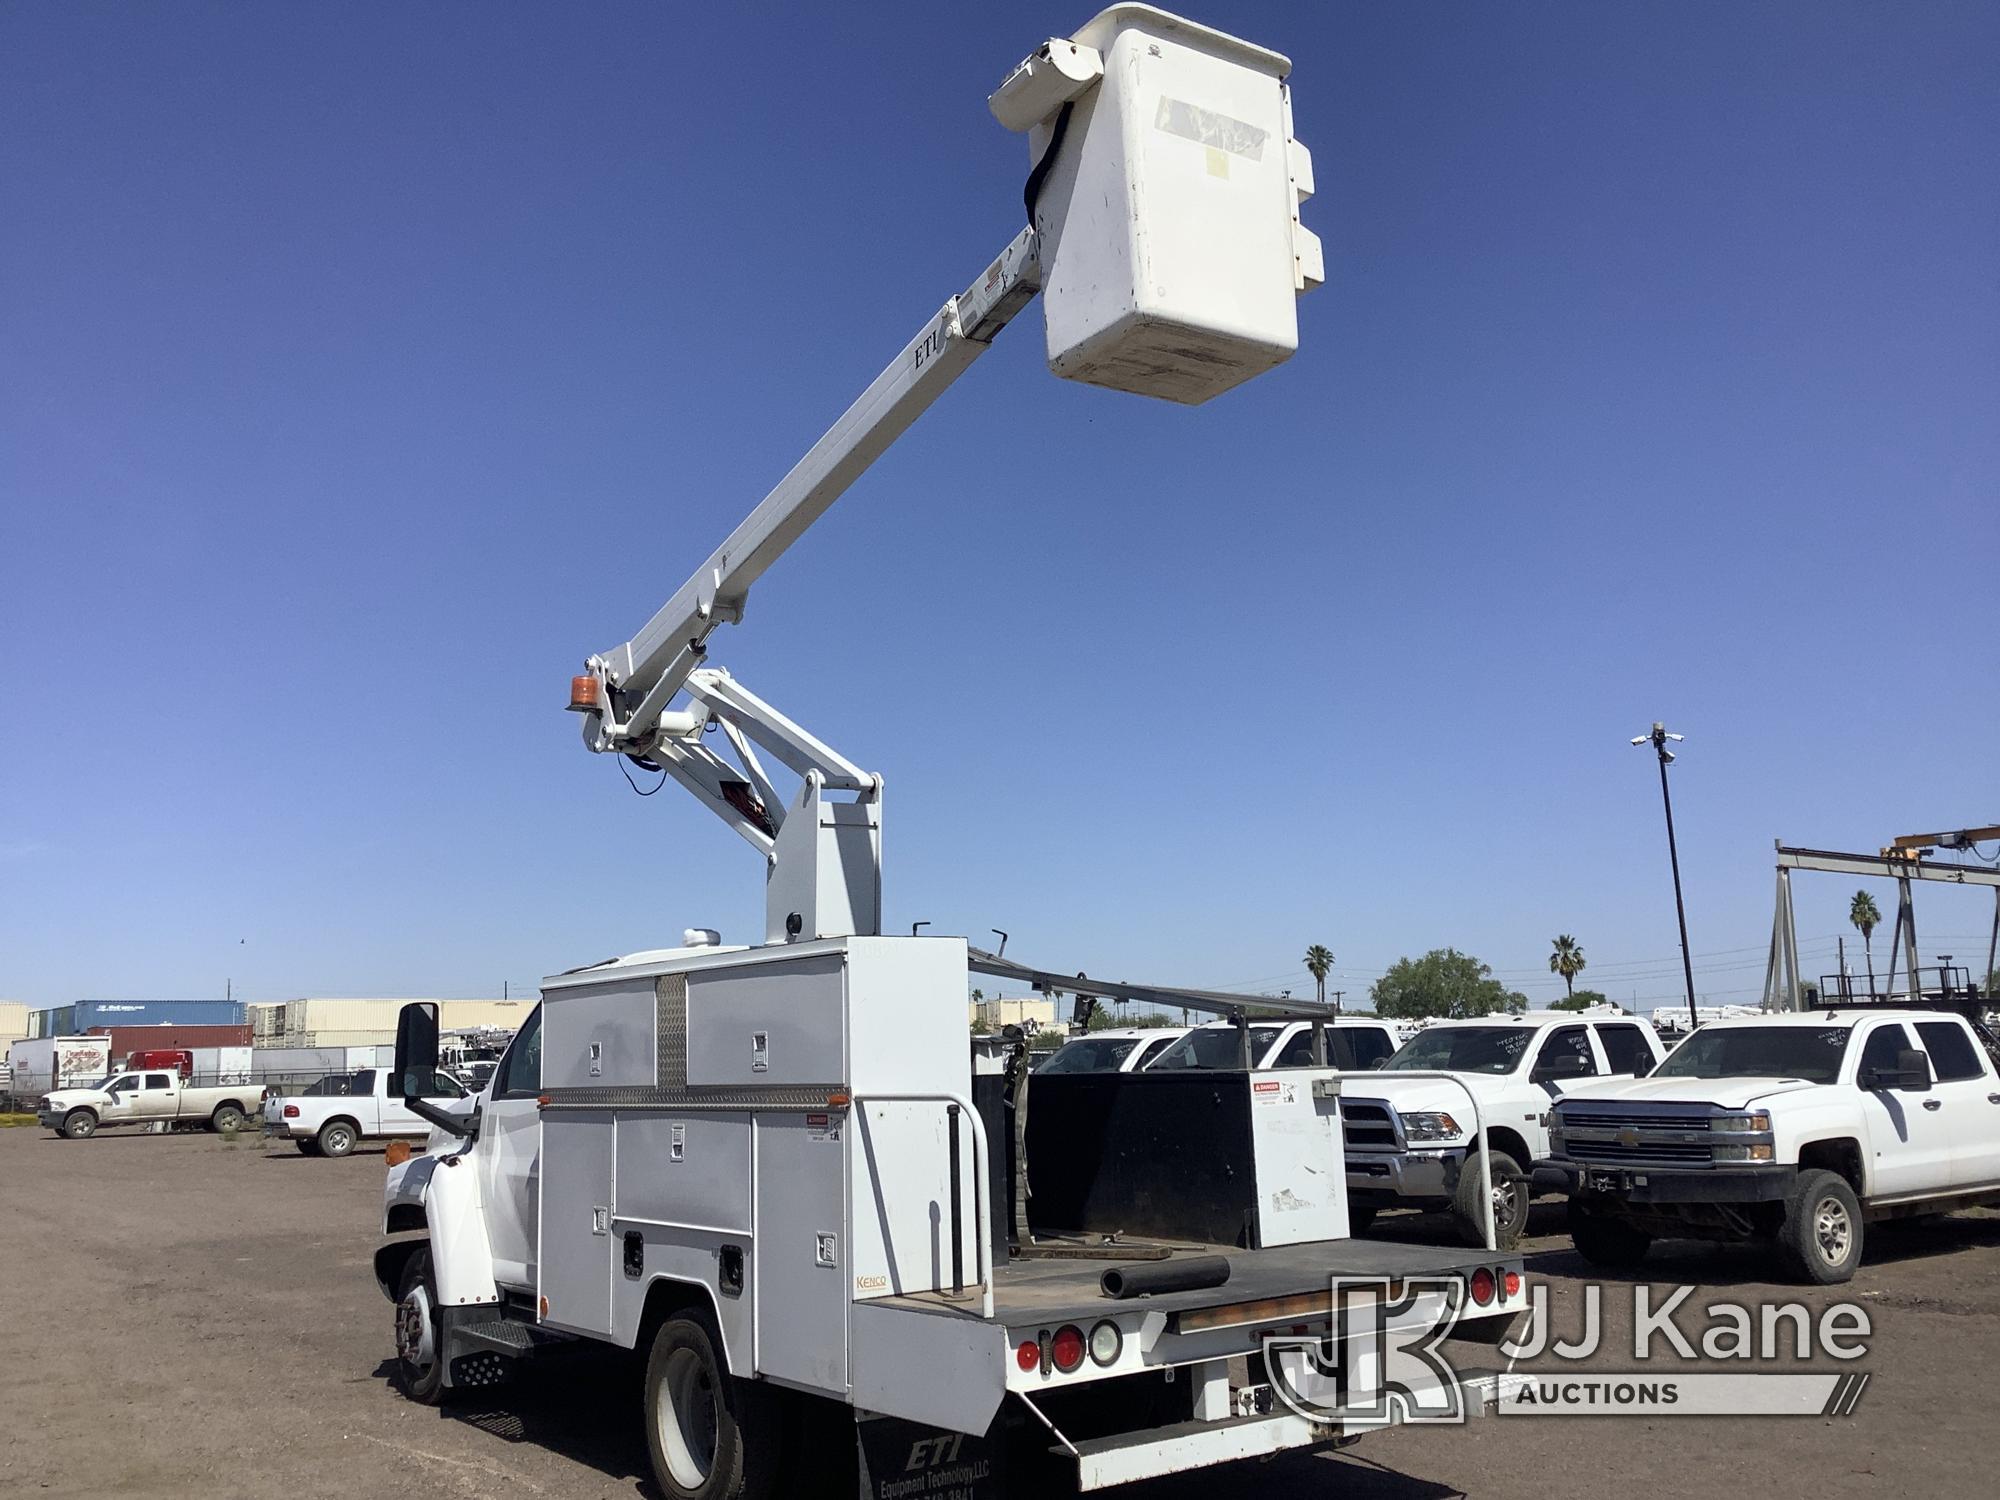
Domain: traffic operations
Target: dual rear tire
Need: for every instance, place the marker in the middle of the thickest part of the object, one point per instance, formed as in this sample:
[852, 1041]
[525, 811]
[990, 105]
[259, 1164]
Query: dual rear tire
[709, 1435]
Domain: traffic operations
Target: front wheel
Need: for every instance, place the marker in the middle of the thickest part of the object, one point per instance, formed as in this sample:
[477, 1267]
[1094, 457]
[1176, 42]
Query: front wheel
[79, 1125]
[419, 1332]
[1510, 1201]
[706, 1431]
[1820, 1238]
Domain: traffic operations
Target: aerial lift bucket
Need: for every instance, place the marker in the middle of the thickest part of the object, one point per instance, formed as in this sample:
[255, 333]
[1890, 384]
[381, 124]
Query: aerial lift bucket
[1165, 192]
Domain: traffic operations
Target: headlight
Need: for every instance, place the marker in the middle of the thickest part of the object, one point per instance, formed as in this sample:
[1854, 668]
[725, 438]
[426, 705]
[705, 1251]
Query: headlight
[1427, 1125]
[1740, 1124]
[1758, 1151]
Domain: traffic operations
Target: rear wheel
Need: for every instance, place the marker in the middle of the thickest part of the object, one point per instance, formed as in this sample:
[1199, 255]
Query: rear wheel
[707, 1433]
[1605, 1241]
[307, 1148]
[1821, 1236]
[79, 1125]
[419, 1332]
[337, 1138]
[1510, 1201]
[227, 1119]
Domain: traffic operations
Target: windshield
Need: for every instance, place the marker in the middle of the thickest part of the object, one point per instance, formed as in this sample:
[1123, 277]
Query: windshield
[1464, 1049]
[1090, 1055]
[101, 1084]
[1213, 1047]
[1759, 1052]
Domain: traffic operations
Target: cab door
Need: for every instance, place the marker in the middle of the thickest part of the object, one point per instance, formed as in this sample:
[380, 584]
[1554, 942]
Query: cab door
[1909, 1146]
[124, 1106]
[1969, 1100]
[510, 1158]
[156, 1097]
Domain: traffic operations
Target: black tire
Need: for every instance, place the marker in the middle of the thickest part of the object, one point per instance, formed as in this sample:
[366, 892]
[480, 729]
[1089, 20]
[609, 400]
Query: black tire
[307, 1148]
[1510, 1202]
[709, 1435]
[417, 1316]
[228, 1117]
[1605, 1241]
[1359, 1217]
[79, 1125]
[337, 1138]
[1820, 1238]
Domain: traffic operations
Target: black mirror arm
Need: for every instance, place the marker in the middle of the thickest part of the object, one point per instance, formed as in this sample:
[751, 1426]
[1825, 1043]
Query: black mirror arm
[463, 1126]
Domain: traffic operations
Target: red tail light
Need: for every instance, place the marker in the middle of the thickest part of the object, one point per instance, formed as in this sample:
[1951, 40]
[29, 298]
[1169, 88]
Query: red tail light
[1067, 1348]
[1029, 1355]
[1482, 1287]
[291, 1111]
[1512, 1283]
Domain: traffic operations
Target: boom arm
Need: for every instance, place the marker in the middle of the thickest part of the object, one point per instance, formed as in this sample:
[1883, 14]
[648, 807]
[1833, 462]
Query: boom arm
[626, 690]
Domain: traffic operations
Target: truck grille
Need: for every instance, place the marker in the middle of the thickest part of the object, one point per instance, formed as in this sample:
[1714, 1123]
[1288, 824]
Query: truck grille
[1677, 1152]
[1596, 1119]
[1368, 1126]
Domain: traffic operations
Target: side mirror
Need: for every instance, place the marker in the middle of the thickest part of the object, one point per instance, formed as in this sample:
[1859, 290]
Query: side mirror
[417, 1068]
[1912, 1074]
[416, 1049]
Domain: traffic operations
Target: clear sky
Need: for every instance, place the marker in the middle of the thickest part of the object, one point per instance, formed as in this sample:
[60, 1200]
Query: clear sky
[363, 368]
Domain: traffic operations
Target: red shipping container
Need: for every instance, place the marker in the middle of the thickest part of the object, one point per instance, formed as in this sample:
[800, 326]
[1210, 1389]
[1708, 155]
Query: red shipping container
[129, 1039]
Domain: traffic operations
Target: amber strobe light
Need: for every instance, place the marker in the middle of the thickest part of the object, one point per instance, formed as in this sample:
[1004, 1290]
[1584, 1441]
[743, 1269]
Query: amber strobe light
[584, 694]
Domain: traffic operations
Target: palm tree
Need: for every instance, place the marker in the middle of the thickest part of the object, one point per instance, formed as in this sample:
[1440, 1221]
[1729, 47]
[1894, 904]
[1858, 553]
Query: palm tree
[1866, 917]
[1318, 960]
[1567, 961]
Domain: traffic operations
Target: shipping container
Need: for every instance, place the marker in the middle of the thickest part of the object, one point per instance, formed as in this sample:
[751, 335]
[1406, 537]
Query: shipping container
[13, 1021]
[335, 1023]
[94, 1015]
[126, 1040]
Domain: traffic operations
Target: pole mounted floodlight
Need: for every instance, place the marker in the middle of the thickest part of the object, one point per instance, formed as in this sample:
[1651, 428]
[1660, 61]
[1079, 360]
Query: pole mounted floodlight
[1657, 737]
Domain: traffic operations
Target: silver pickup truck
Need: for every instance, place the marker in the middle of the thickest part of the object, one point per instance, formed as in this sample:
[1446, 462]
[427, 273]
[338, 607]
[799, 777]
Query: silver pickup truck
[155, 1098]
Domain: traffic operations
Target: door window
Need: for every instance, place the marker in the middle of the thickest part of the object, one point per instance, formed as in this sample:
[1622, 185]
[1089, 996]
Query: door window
[124, 1085]
[1883, 1048]
[1559, 1054]
[1952, 1054]
[1625, 1049]
[158, 1081]
[520, 1074]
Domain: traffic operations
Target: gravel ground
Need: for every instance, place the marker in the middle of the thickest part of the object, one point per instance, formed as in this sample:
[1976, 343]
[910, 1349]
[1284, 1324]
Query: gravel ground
[191, 1316]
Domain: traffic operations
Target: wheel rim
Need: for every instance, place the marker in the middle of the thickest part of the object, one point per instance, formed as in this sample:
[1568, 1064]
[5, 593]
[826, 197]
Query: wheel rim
[1508, 1202]
[337, 1141]
[1833, 1230]
[416, 1345]
[83, 1126]
[689, 1418]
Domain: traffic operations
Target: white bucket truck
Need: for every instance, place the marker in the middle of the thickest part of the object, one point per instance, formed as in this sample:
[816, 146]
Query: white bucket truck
[771, 1169]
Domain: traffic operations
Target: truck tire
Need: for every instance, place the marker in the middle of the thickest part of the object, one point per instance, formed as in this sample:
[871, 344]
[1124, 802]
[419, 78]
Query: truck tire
[709, 1435]
[1820, 1239]
[228, 1117]
[79, 1125]
[1605, 1241]
[307, 1148]
[337, 1137]
[1510, 1202]
[419, 1332]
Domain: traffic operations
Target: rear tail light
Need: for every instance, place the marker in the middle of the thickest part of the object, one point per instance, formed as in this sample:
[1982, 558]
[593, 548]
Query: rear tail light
[291, 1111]
[1066, 1349]
[1482, 1287]
[1107, 1342]
[1511, 1283]
[1029, 1355]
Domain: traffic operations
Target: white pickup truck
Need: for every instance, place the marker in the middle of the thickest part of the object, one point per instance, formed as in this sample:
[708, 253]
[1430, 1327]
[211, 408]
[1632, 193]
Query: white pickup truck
[1408, 1139]
[152, 1098]
[1793, 1130]
[327, 1121]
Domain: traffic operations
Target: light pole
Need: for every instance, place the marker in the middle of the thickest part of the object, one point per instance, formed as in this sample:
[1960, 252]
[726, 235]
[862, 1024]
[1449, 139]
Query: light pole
[1657, 737]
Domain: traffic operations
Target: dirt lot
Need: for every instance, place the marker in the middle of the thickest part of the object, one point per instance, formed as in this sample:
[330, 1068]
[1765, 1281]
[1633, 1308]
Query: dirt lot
[190, 1316]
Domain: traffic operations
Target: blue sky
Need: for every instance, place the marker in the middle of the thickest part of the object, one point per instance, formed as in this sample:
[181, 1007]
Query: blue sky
[367, 367]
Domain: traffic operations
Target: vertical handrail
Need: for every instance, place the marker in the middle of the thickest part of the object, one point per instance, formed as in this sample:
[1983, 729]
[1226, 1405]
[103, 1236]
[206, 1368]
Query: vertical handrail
[982, 1257]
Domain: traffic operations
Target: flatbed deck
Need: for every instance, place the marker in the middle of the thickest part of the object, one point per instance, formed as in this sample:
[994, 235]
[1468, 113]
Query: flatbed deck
[1063, 1289]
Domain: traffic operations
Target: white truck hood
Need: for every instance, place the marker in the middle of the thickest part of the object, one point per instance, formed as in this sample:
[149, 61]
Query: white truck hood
[1725, 1093]
[1406, 1095]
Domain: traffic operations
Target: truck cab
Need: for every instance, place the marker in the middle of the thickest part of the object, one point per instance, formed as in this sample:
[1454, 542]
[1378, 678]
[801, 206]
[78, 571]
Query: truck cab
[1793, 1130]
[1353, 1043]
[1409, 1139]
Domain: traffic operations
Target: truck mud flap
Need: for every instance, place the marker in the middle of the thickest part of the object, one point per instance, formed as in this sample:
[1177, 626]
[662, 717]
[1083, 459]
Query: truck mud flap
[908, 1461]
